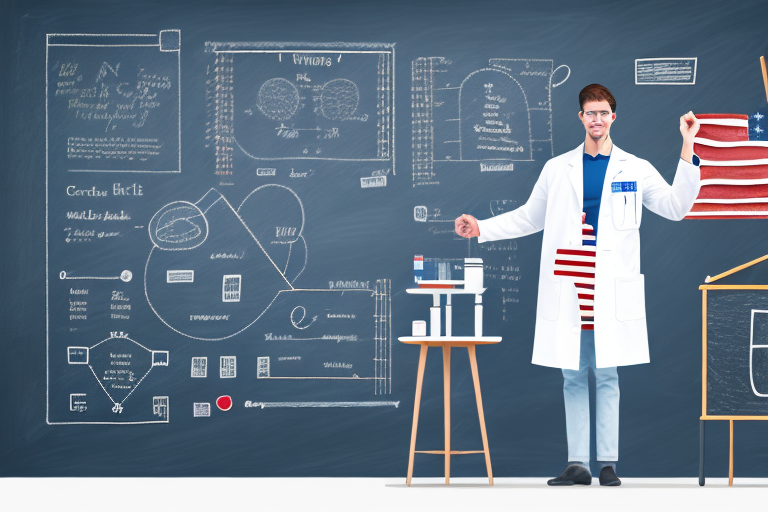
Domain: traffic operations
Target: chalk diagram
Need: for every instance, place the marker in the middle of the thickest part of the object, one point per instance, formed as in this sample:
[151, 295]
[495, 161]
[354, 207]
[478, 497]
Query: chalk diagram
[495, 116]
[322, 335]
[758, 353]
[278, 99]
[339, 99]
[301, 101]
[214, 270]
[120, 365]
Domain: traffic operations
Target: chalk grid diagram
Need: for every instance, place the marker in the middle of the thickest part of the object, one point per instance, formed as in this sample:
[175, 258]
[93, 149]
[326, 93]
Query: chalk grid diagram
[113, 102]
[215, 270]
[112, 118]
[272, 104]
[491, 117]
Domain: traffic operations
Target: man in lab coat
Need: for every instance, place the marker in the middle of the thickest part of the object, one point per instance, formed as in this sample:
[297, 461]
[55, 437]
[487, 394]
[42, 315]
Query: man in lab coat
[611, 187]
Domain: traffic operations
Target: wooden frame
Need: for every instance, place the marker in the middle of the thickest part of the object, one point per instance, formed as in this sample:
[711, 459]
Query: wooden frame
[704, 416]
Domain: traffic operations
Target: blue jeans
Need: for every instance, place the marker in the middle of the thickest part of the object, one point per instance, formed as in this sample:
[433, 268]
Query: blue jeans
[576, 395]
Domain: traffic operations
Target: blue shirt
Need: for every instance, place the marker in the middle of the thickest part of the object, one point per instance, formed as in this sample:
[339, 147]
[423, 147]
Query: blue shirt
[594, 177]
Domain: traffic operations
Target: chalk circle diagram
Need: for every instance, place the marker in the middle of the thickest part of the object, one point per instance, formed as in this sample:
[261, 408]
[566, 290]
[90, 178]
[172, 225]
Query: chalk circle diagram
[213, 271]
[339, 99]
[278, 99]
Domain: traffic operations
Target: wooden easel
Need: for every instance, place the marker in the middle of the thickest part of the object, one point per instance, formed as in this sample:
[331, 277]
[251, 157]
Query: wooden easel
[704, 416]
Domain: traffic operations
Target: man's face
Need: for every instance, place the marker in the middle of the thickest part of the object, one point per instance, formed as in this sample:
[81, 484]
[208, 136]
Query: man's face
[595, 123]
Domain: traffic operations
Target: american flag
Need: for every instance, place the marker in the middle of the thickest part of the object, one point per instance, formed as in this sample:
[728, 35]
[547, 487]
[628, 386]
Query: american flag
[579, 266]
[734, 167]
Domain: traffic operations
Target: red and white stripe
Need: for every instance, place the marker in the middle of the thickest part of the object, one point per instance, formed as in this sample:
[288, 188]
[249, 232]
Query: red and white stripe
[578, 265]
[734, 170]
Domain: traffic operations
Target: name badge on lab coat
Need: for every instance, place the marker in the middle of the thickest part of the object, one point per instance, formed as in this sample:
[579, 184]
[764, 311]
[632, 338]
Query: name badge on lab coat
[623, 186]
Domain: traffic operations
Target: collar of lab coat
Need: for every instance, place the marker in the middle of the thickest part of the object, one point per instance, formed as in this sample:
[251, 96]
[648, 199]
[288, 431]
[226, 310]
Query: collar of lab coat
[576, 172]
[576, 176]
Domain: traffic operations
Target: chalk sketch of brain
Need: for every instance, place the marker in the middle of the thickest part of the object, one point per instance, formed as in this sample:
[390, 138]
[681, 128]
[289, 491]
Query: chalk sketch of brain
[278, 99]
[178, 226]
[339, 99]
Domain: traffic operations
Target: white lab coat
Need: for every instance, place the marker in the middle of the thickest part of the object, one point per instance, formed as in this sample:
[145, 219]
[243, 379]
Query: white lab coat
[555, 206]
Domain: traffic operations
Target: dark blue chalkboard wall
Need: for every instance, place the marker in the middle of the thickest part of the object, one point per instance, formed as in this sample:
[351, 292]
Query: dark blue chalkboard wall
[210, 211]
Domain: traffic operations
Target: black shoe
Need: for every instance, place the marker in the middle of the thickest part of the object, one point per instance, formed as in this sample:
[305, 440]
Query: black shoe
[573, 474]
[608, 476]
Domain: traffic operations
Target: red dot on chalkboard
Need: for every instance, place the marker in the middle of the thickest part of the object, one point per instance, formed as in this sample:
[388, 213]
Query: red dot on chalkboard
[224, 402]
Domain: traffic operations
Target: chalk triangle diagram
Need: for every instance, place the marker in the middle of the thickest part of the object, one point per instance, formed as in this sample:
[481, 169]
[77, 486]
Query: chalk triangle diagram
[208, 276]
[119, 364]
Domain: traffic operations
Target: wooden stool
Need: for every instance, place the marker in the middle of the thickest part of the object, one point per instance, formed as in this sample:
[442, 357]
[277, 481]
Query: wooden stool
[447, 343]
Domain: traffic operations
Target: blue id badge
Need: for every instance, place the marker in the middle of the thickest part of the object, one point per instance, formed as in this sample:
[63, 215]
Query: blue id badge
[623, 186]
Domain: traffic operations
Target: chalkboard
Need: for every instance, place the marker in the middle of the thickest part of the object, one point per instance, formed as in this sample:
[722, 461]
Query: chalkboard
[211, 211]
[737, 341]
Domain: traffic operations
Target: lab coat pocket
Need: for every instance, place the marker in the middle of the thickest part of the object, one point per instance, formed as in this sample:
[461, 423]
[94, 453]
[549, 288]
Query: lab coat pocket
[630, 298]
[626, 205]
[549, 298]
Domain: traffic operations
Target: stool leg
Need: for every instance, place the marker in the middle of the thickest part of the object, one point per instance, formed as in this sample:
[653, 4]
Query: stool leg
[479, 399]
[447, 401]
[730, 459]
[416, 405]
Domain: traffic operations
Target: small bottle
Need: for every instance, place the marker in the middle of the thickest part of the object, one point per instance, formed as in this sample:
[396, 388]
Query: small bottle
[418, 268]
[473, 274]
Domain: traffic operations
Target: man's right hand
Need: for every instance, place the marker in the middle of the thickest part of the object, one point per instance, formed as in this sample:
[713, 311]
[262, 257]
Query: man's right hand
[466, 226]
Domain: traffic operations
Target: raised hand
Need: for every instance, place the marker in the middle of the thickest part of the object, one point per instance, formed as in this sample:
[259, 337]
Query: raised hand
[466, 226]
[689, 127]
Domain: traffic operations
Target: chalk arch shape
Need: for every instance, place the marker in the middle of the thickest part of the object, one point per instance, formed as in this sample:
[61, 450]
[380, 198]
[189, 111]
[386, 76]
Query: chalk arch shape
[278, 99]
[275, 216]
[495, 123]
[190, 291]
[339, 99]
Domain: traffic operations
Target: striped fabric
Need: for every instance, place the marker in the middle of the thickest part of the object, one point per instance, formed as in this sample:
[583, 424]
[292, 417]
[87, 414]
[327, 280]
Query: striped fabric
[578, 265]
[734, 170]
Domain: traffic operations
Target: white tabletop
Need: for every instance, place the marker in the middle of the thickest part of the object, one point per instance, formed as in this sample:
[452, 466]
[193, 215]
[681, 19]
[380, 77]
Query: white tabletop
[444, 291]
[479, 339]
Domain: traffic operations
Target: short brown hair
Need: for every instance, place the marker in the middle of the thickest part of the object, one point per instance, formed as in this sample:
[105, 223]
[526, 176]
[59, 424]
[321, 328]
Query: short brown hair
[596, 92]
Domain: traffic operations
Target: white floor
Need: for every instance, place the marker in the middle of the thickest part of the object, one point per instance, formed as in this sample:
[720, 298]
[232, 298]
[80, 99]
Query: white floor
[374, 494]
